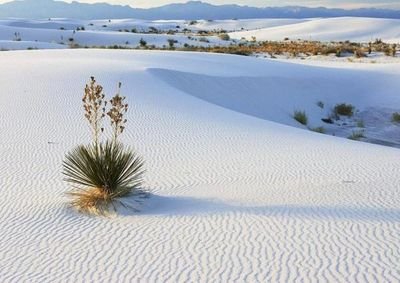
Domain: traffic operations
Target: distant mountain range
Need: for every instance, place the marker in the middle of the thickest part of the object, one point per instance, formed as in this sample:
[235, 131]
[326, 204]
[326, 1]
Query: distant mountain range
[188, 11]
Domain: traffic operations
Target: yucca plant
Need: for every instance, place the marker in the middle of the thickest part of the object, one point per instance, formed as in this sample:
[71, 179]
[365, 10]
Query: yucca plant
[103, 172]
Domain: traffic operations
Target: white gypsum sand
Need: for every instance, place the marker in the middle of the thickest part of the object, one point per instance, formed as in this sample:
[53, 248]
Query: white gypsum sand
[235, 197]
[127, 33]
[330, 29]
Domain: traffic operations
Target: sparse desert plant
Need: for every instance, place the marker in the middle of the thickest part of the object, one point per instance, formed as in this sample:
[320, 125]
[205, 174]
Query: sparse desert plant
[320, 104]
[171, 42]
[224, 36]
[17, 36]
[142, 42]
[103, 172]
[396, 117]
[359, 53]
[344, 109]
[320, 130]
[204, 39]
[301, 117]
[357, 135]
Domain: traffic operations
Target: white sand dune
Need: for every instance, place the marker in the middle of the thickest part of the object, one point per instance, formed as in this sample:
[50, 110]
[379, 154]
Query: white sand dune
[48, 33]
[236, 197]
[102, 33]
[330, 29]
[245, 24]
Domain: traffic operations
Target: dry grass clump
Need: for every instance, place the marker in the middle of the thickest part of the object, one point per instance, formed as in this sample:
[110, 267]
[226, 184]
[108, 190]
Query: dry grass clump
[103, 172]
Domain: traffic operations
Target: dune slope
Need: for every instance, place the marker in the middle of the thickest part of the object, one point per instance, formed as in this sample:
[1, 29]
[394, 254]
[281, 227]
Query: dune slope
[330, 29]
[235, 197]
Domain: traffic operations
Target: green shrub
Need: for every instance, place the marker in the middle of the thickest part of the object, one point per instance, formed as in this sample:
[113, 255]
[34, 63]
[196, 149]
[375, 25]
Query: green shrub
[344, 109]
[142, 42]
[320, 130]
[301, 117]
[396, 117]
[320, 104]
[224, 36]
[104, 174]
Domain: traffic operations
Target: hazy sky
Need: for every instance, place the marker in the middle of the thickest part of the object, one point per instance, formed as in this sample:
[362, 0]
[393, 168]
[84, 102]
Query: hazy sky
[261, 3]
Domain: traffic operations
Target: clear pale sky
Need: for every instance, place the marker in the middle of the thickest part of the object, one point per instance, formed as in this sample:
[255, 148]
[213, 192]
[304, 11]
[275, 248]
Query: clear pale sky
[347, 4]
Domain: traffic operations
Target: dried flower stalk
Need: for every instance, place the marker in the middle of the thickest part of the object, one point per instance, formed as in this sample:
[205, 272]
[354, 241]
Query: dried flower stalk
[116, 114]
[95, 108]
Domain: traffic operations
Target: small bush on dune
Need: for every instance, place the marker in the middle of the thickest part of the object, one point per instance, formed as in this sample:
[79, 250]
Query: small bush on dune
[320, 130]
[103, 172]
[142, 43]
[224, 36]
[344, 109]
[359, 53]
[396, 117]
[301, 117]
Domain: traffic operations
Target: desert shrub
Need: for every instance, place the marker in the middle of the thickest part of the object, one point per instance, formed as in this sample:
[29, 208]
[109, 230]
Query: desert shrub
[171, 42]
[396, 117]
[103, 172]
[320, 104]
[390, 50]
[359, 53]
[320, 130]
[17, 36]
[224, 36]
[329, 50]
[153, 30]
[344, 109]
[357, 135]
[301, 117]
[142, 42]
[204, 39]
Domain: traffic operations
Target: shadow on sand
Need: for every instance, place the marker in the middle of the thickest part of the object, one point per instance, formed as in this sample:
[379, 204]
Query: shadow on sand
[157, 205]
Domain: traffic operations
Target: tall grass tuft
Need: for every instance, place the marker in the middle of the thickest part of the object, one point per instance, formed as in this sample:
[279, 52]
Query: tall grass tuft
[103, 172]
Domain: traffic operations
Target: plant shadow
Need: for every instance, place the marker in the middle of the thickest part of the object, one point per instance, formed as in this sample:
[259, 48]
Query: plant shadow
[157, 205]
